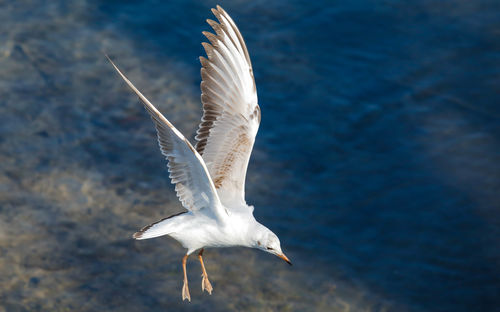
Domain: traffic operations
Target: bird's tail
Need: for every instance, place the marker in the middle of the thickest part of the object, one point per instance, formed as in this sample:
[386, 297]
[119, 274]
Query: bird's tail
[158, 228]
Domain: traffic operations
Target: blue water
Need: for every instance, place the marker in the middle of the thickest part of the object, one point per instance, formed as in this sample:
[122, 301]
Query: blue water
[376, 163]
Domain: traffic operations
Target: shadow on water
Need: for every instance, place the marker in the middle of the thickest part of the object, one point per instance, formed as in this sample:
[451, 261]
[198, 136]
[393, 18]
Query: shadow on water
[383, 174]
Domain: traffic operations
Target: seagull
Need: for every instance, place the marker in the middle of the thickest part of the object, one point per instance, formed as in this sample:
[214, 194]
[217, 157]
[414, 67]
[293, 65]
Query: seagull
[210, 178]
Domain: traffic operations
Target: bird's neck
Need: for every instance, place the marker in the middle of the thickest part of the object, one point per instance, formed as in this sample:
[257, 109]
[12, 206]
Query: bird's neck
[242, 229]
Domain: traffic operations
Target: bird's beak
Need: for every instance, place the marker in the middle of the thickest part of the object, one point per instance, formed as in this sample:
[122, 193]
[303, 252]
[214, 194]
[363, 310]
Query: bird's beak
[282, 256]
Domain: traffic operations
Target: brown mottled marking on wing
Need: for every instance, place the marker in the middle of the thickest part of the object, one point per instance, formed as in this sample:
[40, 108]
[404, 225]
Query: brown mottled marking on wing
[242, 145]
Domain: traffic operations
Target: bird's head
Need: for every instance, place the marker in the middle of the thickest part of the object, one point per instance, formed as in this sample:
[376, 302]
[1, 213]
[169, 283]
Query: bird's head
[267, 241]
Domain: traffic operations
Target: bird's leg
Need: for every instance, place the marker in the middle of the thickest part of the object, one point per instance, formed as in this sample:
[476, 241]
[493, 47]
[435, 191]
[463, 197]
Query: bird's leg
[205, 283]
[185, 288]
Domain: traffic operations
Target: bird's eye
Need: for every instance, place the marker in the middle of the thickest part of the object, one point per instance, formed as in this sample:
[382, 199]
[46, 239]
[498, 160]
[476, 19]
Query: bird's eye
[269, 248]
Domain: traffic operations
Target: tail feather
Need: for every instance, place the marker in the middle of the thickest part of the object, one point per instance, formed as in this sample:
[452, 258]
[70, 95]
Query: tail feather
[156, 229]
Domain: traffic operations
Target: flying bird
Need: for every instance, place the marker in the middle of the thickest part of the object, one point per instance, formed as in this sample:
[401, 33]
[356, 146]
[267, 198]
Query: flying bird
[210, 178]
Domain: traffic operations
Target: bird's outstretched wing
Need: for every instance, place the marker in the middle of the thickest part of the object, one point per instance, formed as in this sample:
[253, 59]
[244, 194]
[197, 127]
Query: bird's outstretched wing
[187, 169]
[231, 115]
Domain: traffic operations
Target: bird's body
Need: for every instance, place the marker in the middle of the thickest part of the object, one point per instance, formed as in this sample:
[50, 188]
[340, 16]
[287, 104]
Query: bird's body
[210, 179]
[196, 232]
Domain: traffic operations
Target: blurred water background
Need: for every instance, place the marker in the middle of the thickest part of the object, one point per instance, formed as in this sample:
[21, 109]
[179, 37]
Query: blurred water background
[377, 161]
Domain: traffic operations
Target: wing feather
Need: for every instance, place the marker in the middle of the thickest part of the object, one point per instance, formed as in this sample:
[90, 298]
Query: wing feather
[231, 114]
[187, 170]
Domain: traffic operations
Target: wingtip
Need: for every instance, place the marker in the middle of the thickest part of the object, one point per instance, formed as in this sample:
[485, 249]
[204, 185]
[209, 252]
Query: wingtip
[208, 48]
[109, 59]
[223, 12]
[215, 26]
[217, 13]
[114, 65]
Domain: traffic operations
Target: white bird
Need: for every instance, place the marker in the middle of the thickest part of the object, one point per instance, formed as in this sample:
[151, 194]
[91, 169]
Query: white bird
[210, 180]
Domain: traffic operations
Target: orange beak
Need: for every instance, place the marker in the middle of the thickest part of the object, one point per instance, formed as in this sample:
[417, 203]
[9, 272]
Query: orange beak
[282, 256]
